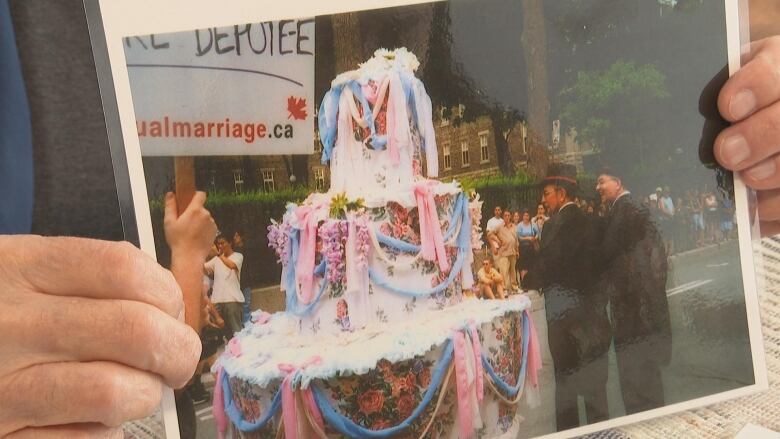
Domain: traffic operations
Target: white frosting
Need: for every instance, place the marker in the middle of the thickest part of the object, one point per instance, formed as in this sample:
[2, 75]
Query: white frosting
[383, 61]
[266, 346]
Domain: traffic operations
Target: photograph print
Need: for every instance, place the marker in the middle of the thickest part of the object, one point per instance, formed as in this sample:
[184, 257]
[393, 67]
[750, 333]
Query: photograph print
[465, 218]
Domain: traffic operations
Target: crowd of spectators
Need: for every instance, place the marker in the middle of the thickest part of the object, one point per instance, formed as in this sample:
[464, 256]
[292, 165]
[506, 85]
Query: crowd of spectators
[687, 219]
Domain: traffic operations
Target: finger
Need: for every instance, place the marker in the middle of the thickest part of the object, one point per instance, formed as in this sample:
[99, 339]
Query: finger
[73, 431]
[197, 210]
[171, 208]
[749, 142]
[755, 86]
[128, 332]
[769, 228]
[768, 205]
[91, 268]
[197, 202]
[73, 393]
[763, 175]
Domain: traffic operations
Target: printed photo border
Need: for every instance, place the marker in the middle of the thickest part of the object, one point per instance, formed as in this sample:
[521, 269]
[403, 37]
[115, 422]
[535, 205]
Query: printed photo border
[110, 21]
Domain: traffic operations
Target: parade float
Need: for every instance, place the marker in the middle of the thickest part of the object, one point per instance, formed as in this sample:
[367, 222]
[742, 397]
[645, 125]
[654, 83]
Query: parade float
[381, 336]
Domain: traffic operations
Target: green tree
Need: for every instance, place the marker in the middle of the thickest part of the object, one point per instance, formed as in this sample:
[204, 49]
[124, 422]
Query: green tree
[609, 109]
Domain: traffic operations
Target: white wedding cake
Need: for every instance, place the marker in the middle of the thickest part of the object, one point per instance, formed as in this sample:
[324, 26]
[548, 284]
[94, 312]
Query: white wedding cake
[379, 337]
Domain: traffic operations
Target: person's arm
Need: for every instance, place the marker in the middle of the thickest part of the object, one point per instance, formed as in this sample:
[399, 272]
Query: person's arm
[228, 262]
[494, 242]
[208, 267]
[214, 319]
[190, 236]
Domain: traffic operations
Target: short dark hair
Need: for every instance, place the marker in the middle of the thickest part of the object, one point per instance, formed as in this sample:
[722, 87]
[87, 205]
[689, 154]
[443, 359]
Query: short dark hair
[223, 236]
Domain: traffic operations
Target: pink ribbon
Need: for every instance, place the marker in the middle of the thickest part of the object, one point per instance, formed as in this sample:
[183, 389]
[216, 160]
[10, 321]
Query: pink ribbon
[465, 414]
[262, 318]
[304, 270]
[431, 237]
[289, 407]
[392, 140]
[478, 370]
[234, 347]
[534, 356]
[218, 406]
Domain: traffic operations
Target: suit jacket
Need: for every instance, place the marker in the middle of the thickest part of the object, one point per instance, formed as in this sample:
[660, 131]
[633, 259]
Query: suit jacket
[565, 251]
[578, 327]
[634, 270]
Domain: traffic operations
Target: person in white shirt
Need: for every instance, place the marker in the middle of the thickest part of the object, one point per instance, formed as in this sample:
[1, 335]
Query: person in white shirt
[226, 294]
[495, 222]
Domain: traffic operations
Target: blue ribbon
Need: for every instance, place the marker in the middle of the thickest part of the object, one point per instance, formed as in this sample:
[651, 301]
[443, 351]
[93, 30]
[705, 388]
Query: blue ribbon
[464, 246]
[511, 391]
[328, 119]
[238, 418]
[347, 427]
[378, 280]
[406, 247]
[407, 82]
[375, 141]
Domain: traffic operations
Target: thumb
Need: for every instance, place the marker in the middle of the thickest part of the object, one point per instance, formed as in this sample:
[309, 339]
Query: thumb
[197, 202]
[171, 208]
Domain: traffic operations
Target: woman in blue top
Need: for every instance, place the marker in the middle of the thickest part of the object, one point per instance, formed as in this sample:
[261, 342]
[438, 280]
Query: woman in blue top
[528, 237]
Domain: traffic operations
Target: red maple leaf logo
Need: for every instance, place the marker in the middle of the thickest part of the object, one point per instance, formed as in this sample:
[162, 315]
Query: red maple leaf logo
[296, 107]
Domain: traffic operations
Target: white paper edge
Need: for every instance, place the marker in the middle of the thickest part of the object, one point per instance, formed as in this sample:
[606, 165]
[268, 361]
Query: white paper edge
[122, 18]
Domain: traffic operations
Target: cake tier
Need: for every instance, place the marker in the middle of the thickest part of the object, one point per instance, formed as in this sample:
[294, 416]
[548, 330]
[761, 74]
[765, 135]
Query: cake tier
[398, 254]
[440, 374]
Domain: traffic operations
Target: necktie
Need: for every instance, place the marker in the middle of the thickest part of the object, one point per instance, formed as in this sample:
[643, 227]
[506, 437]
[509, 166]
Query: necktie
[16, 172]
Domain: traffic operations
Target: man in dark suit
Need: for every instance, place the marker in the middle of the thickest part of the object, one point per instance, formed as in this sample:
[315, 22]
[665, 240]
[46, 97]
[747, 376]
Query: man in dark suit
[634, 277]
[577, 325]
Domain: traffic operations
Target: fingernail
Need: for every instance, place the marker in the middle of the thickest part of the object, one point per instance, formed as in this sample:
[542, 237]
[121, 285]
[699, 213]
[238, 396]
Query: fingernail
[763, 170]
[734, 149]
[742, 104]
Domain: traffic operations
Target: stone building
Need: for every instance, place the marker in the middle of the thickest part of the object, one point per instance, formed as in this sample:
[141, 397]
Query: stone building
[569, 150]
[466, 149]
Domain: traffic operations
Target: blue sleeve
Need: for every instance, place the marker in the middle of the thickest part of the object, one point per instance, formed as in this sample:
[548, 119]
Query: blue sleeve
[16, 160]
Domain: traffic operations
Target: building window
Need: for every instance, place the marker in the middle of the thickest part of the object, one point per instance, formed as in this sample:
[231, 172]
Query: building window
[238, 180]
[464, 154]
[457, 111]
[319, 178]
[524, 135]
[267, 175]
[447, 156]
[484, 155]
[317, 141]
[444, 121]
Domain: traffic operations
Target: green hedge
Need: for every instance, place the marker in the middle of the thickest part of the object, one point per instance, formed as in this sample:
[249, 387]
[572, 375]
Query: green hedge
[251, 213]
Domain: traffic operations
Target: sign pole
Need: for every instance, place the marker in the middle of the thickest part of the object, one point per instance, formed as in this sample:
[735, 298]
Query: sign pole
[184, 174]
